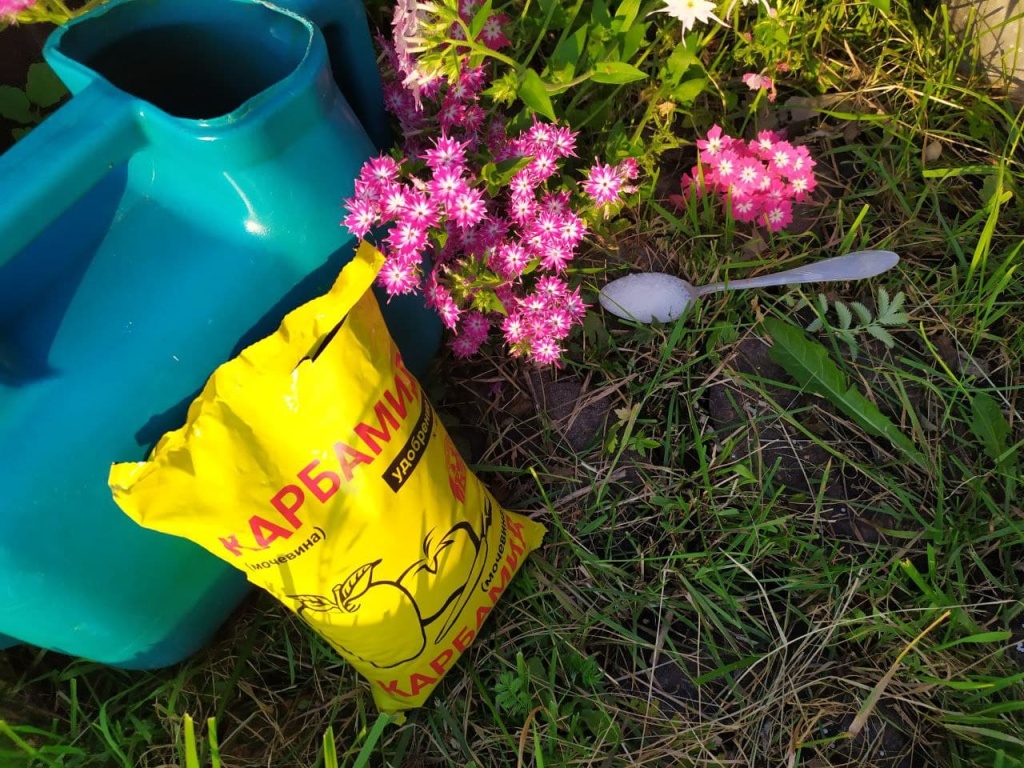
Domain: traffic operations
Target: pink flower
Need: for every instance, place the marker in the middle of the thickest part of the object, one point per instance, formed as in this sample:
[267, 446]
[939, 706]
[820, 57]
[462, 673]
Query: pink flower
[420, 211]
[778, 214]
[440, 300]
[492, 232]
[802, 186]
[715, 142]
[511, 259]
[754, 180]
[10, 7]
[379, 172]
[398, 277]
[473, 79]
[522, 208]
[446, 185]
[766, 143]
[393, 201]
[603, 184]
[523, 183]
[493, 33]
[555, 202]
[629, 169]
[472, 118]
[749, 173]
[745, 209]
[514, 329]
[573, 229]
[782, 158]
[559, 323]
[552, 288]
[467, 208]
[361, 218]
[476, 325]
[465, 346]
[574, 305]
[543, 165]
[563, 142]
[725, 165]
[802, 162]
[406, 239]
[545, 351]
[446, 153]
[756, 82]
[556, 257]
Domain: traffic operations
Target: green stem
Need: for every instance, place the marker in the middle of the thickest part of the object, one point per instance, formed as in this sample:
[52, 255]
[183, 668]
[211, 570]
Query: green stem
[475, 47]
[540, 37]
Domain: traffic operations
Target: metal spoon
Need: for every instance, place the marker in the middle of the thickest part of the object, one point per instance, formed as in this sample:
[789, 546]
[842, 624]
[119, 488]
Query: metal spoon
[649, 296]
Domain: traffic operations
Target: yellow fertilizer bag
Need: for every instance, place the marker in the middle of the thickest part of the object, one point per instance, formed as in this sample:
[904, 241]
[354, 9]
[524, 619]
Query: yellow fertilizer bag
[314, 463]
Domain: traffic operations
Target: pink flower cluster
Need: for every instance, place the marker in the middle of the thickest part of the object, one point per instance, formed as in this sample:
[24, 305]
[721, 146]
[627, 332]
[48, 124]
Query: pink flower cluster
[412, 25]
[498, 261]
[8, 8]
[758, 181]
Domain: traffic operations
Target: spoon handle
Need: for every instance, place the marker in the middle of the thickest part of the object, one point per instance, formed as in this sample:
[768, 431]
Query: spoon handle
[852, 266]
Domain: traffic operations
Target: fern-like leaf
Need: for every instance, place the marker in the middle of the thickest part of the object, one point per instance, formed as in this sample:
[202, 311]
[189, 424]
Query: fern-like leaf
[510, 694]
[845, 316]
[847, 337]
[863, 313]
[882, 335]
[882, 302]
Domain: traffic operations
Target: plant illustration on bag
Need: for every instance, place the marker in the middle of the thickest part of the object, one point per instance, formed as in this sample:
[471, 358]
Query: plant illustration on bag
[412, 602]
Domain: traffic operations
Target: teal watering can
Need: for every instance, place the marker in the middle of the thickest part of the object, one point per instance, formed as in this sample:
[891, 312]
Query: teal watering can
[182, 202]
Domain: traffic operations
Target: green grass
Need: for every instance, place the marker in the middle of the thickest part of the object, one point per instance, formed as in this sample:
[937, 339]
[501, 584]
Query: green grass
[701, 600]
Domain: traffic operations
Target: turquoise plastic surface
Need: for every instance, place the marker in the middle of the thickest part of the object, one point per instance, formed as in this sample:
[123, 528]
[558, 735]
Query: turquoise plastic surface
[172, 212]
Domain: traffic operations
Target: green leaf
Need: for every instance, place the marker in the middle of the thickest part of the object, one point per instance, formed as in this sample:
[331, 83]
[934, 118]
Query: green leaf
[850, 341]
[363, 759]
[882, 305]
[535, 95]
[632, 40]
[989, 425]
[498, 174]
[191, 748]
[569, 51]
[330, 749]
[808, 363]
[616, 73]
[863, 313]
[687, 92]
[599, 15]
[487, 301]
[480, 18]
[15, 105]
[44, 88]
[681, 59]
[845, 315]
[627, 11]
[882, 335]
[882, 5]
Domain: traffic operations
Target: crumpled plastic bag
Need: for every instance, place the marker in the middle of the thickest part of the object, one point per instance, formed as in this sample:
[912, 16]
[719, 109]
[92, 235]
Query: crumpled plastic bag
[314, 463]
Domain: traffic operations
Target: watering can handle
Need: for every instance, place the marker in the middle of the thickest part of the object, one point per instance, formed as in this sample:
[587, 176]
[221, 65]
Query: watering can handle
[61, 159]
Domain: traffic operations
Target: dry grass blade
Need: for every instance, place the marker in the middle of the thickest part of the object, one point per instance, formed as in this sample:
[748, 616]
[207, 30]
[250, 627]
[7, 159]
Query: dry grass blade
[876, 693]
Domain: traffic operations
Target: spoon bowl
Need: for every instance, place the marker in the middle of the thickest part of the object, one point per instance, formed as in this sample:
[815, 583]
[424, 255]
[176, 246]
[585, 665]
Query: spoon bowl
[654, 296]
